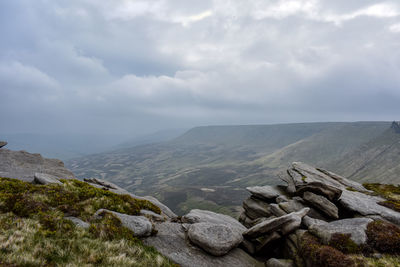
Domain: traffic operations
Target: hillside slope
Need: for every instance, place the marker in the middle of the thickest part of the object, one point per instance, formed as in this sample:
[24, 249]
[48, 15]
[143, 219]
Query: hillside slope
[375, 161]
[209, 167]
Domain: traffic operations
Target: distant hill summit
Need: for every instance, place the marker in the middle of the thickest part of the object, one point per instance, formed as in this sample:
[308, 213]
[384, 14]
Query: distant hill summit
[396, 126]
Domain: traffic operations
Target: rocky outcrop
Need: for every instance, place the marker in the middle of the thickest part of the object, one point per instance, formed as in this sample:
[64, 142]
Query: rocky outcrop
[3, 144]
[316, 202]
[23, 166]
[396, 126]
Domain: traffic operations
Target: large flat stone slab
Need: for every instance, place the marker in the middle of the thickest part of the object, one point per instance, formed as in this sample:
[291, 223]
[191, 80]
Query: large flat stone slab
[197, 216]
[367, 205]
[216, 239]
[171, 241]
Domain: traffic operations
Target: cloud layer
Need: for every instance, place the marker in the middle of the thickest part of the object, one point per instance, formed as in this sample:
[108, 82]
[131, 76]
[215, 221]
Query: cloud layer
[137, 66]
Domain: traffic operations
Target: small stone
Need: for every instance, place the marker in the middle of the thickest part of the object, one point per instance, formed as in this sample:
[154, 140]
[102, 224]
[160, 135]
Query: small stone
[152, 215]
[78, 222]
[279, 263]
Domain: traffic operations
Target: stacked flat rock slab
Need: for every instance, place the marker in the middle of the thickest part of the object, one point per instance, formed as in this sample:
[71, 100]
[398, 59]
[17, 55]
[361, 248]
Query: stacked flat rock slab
[314, 200]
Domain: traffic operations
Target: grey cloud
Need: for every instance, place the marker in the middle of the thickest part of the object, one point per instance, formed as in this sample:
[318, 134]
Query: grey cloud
[88, 66]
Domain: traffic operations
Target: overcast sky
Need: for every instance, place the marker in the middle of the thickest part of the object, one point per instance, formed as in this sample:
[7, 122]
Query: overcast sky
[85, 66]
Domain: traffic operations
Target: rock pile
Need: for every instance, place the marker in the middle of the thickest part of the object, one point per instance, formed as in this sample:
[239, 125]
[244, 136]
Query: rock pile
[315, 201]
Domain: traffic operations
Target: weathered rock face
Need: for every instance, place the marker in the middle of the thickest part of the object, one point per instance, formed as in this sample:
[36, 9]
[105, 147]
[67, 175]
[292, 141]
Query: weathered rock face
[276, 224]
[256, 208]
[139, 225]
[265, 192]
[216, 239]
[43, 178]
[198, 216]
[322, 204]
[171, 241]
[355, 227]
[330, 192]
[302, 174]
[23, 166]
[363, 204]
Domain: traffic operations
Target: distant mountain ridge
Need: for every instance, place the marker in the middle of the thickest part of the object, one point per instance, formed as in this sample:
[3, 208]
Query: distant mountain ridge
[209, 167]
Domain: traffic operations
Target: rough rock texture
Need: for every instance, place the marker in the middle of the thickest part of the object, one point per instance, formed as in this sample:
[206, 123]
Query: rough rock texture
[152, 215]
[275, 224]
[106, 185]
[322, 204]
[279, 263]
[330, 192]
[296, 204]
[197, 216]
[302, 174]
[43, 178]
[265, 192]
[355, 227]
[216, 239]
[139, 225]
[171, 242]
[256, 208]
[363, 204]
[3, 144]
[78, 222]
[23, 166]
